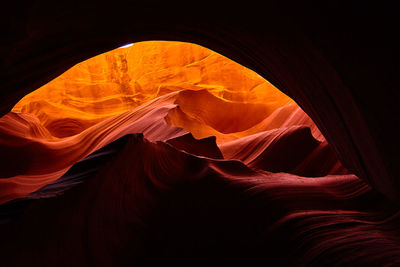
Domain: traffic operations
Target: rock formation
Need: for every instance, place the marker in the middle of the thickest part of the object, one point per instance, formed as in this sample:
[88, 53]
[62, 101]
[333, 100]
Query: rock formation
[128, 159]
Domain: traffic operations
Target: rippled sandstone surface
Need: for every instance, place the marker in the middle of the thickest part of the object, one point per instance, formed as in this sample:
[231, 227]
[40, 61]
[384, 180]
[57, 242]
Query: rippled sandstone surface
[170, 149]
[160, 89]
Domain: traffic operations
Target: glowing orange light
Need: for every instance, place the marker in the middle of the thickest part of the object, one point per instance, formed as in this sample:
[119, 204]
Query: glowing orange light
[161, 89]
[127, 77]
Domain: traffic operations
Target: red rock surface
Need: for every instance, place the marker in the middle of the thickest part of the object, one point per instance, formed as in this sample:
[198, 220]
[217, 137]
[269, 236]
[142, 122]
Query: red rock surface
[160, 89]
[214, 166]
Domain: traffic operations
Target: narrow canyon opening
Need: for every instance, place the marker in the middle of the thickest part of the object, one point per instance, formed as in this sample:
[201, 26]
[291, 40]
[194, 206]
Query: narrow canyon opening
[180, 149]
[181, 93]
[166, 153]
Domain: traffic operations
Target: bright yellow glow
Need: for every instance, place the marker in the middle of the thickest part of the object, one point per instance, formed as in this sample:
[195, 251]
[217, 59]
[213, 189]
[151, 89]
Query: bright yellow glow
[125, 78]
[161, 89]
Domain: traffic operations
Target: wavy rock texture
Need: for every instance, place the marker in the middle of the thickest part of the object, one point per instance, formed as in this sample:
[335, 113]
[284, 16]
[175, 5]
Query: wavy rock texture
[166, 207]
[125, 78]
[169, 154]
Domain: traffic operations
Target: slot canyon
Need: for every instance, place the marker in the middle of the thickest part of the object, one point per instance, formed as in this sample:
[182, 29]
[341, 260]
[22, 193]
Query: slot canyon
[136, 134]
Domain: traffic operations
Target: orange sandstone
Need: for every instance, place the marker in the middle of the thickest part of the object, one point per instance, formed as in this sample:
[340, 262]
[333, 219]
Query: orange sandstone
[125, 78]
